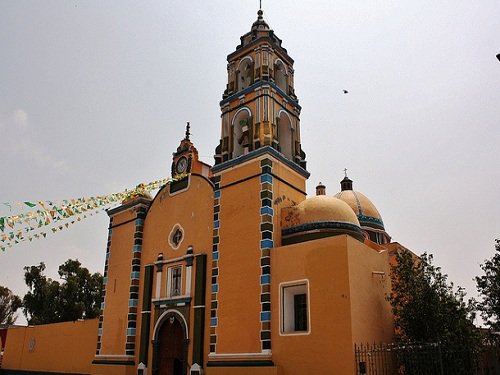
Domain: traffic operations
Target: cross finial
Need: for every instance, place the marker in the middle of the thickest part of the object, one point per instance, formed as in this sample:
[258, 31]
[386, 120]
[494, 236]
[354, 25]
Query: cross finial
[187, 131]
[260, 4]
[345, 172]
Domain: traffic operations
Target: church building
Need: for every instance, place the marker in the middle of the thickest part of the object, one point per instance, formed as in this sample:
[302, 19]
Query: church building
[231, 268]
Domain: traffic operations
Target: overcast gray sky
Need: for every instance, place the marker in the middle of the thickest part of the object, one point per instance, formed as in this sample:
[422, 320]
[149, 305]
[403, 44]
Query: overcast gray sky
[94, 97]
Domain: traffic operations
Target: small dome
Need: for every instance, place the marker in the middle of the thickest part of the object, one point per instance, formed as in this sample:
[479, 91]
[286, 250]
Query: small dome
[317, 217]
[325, 208]
[368, 215]
[364, 209]
[260, 24]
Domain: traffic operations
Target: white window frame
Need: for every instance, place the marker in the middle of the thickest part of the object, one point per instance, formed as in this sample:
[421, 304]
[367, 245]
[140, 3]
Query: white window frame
[287, 290]
[170, 280]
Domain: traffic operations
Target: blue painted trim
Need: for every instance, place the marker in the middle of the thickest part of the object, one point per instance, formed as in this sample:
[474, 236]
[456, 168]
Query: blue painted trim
[266, 244]
[215, 288]
[262, 150]
[266, 177]
[265, 316]
[265, 279]
[216, 224]
[217, 194]
[369, 221]
[321, 225]
[213, 322]
[215, 255]
[266, 211]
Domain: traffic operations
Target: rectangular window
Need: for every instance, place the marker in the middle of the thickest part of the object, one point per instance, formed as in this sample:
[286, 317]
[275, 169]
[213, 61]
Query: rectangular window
[300, 311]
[294, 308]
[174, 284]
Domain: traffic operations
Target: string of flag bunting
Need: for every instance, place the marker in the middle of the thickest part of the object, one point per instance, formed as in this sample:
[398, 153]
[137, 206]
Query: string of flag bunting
[35, 220]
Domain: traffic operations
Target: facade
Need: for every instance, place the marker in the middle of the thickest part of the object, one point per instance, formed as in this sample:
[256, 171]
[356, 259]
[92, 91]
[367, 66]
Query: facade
[230, 268]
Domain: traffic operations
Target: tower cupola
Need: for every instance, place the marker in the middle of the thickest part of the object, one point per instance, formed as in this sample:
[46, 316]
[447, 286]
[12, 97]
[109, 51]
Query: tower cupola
[259, 107]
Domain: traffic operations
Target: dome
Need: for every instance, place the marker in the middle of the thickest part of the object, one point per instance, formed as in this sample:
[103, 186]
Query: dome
[369, 218]
[364, 209]
[325, 208]
[318, 217]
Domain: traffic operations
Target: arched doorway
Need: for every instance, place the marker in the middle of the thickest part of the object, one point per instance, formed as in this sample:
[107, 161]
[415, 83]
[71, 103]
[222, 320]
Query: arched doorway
[171, 347]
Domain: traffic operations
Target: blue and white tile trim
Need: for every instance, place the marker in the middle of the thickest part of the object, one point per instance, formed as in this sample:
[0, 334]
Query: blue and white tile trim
[214, 320]
[266, 244]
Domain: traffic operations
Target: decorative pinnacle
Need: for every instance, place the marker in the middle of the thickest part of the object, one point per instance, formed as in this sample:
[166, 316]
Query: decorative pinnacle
[187, 131]
[345, 172]
[260, 12]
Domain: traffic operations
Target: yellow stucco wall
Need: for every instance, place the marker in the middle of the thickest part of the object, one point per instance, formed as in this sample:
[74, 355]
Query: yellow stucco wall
[60, 347]
[327, 345]
[239, 262]
[118, 284]
[243, 371]
[369, 279]
[347, 303]
[193, 210]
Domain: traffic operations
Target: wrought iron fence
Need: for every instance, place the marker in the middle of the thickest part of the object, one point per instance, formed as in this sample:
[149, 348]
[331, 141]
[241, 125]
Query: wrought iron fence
[426, 359]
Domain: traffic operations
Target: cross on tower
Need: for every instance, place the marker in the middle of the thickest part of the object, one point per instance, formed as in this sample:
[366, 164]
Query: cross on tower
[188, 133]
[345, 172]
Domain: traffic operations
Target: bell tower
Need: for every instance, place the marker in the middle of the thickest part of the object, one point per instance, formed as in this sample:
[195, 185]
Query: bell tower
[259, 169]
[259, 106]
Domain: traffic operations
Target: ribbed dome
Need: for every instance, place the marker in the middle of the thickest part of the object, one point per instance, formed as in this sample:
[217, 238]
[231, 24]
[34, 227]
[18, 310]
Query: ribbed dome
[325, 208]
[318, 217]
[364, 209]
[369, 218]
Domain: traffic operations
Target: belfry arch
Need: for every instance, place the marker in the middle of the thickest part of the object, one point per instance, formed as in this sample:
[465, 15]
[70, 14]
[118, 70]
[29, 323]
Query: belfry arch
[286, 134]
[244, 73]
[241, 131]
[280, 75]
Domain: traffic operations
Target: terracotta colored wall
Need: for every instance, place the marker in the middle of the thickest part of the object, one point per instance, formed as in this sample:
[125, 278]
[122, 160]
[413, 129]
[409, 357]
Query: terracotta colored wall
[239, 262]
[113, 370]
[328, 345]
[243, 371]
[118, 284]
[284, 195]
[61, 347]
[369, 277]
[193, 210]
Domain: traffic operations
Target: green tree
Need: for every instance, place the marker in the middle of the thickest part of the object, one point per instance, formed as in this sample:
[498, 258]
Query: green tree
[428, 309]
[78, 296]
[488, 285]
[9, 304]
[81, 293]
[41, 303]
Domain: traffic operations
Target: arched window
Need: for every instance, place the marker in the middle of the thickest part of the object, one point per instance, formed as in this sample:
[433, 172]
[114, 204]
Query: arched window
[241, 125]
[245, 74]
[280, 75]
[285, 134]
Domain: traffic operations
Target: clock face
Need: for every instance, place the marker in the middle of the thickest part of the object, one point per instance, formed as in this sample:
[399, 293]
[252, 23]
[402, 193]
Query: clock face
[181, 165]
